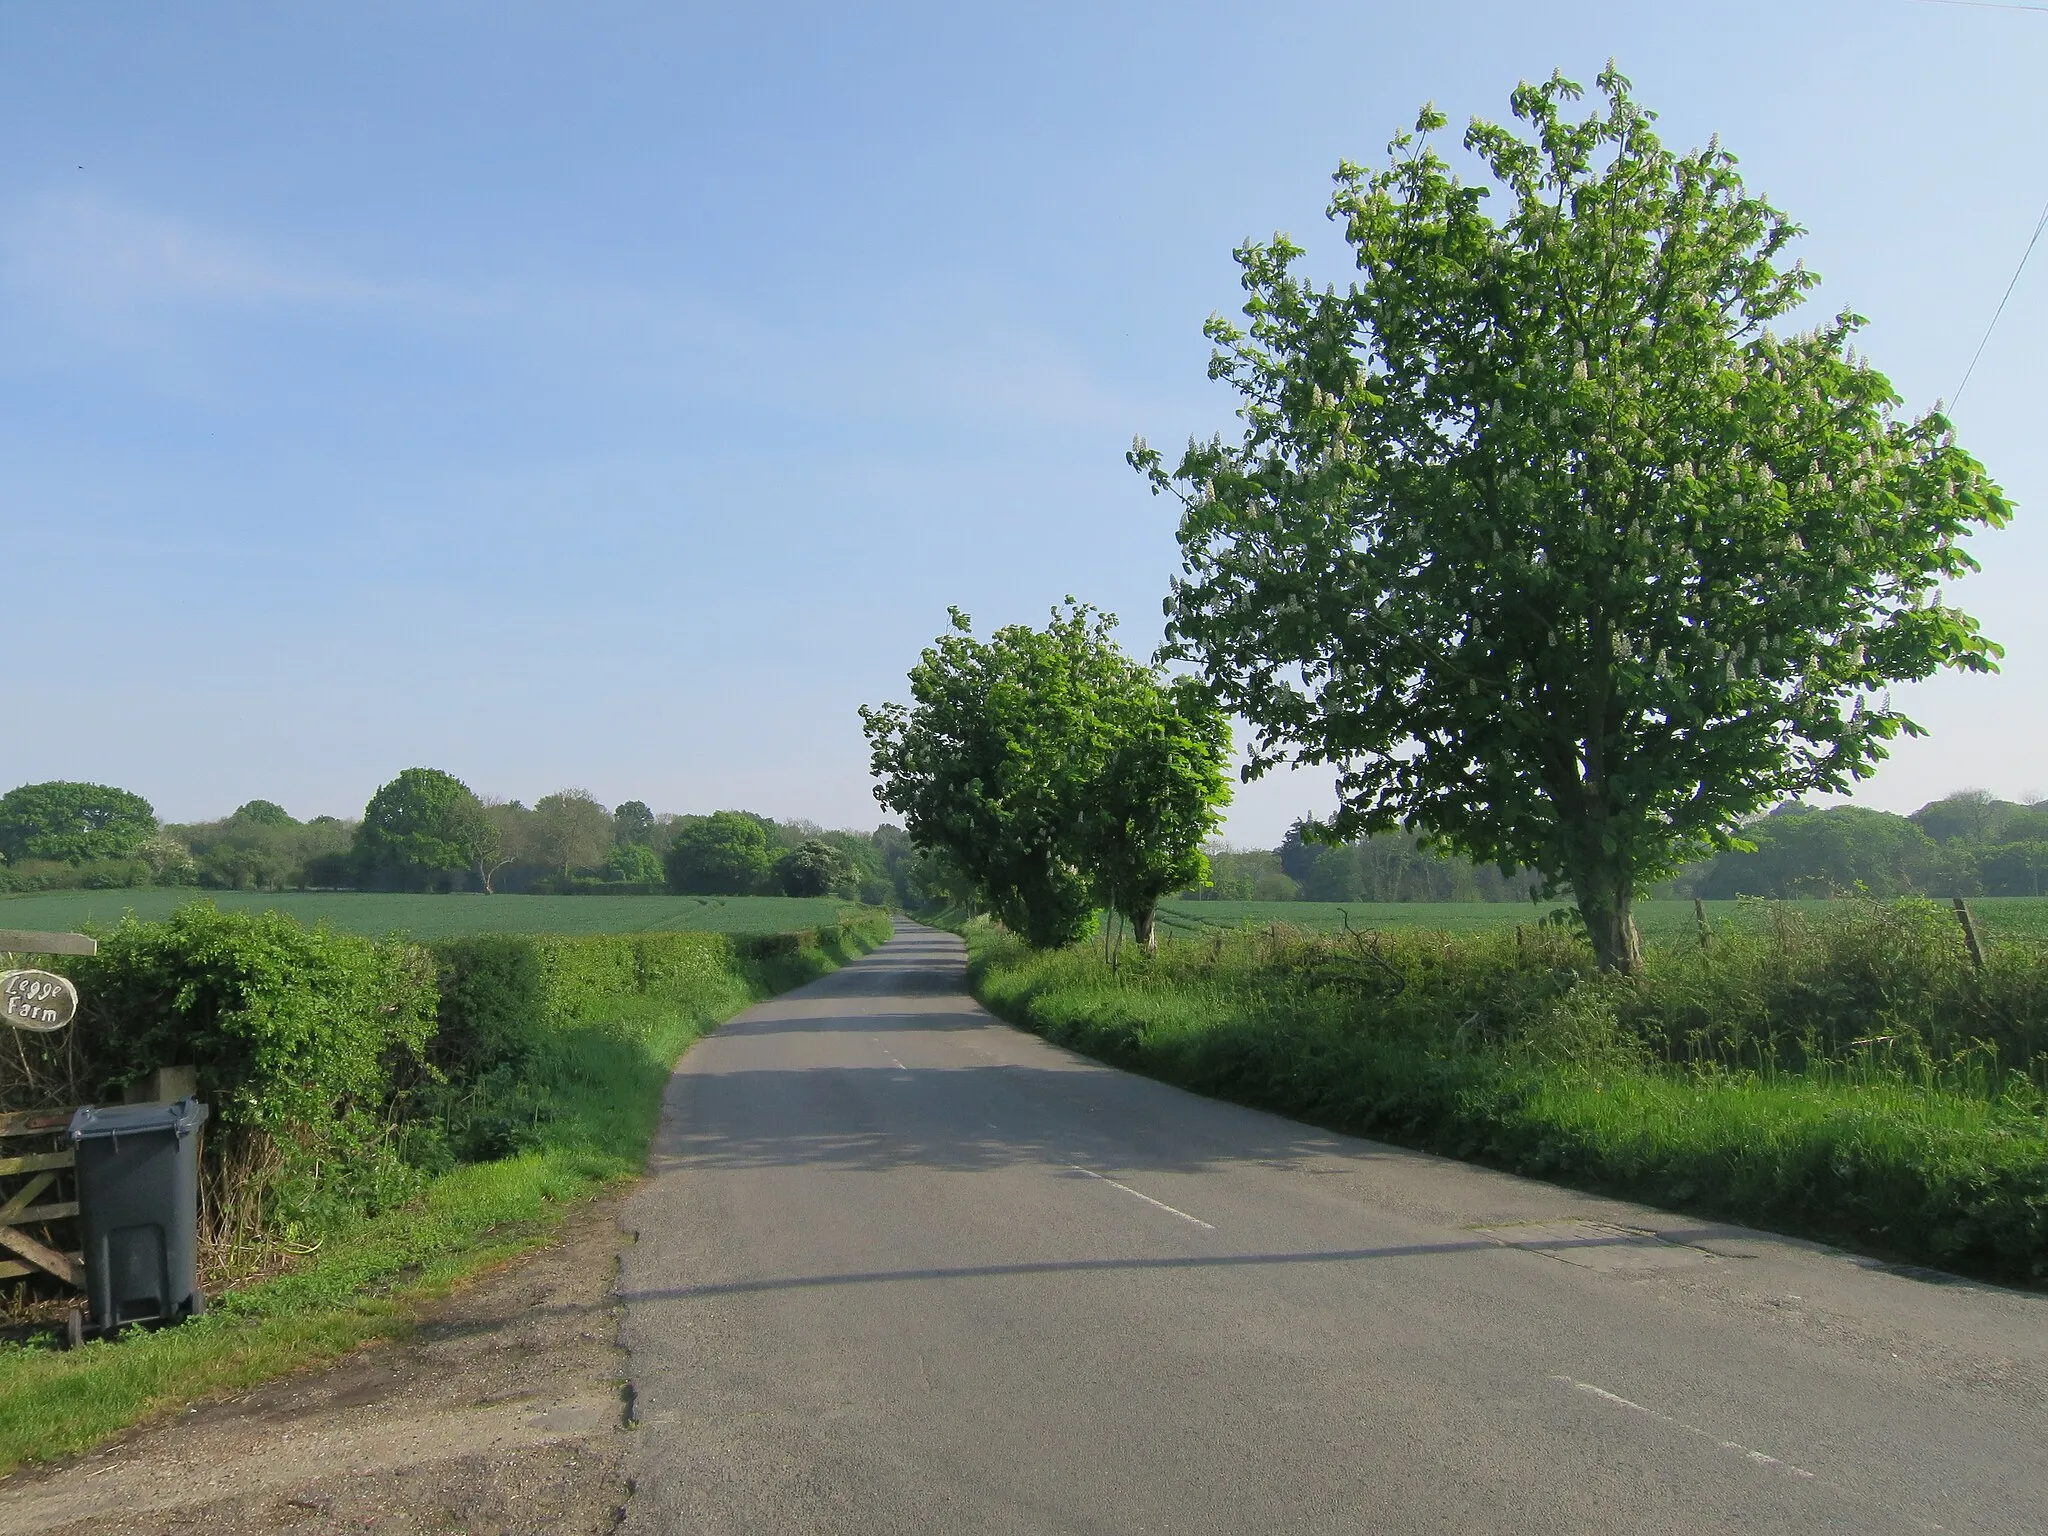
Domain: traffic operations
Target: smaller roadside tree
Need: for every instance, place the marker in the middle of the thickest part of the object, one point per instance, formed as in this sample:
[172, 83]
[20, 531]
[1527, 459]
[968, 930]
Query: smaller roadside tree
[811, 869]
[422, 827]
[1053, 771]
[982, 764]
[1153, 803]
[723, 854]
[73, 822]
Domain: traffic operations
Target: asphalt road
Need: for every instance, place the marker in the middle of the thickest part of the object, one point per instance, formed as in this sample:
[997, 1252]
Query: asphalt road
[902, 1268]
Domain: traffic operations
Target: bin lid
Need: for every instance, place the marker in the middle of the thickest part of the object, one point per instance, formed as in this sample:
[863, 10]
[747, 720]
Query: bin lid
[180, 1118]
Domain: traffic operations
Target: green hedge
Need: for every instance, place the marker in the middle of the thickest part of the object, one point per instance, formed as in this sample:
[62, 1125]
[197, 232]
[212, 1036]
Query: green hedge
[503, 996]
[87, 875]
[1851, 1079]
[297, 1034]
[342, 1070]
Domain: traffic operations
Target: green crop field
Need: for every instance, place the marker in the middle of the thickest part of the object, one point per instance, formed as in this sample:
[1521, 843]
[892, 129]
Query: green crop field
[2014, 917]
[435, 917]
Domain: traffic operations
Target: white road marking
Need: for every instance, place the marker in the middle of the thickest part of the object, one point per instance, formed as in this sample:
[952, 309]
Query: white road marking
[1171, 1211]
[1760, 1458]
[1606, 1396]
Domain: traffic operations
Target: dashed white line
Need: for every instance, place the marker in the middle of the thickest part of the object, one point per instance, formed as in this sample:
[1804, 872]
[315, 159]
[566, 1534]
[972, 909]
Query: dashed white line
[1141, 1195]
[1759, 1457]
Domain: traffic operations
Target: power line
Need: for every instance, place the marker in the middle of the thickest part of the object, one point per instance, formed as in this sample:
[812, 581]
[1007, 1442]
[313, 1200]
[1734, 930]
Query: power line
[2039, 225]
[1988, 5]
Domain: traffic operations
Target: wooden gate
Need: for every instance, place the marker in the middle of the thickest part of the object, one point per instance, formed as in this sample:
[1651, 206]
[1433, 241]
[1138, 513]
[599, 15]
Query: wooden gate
[38, 1198]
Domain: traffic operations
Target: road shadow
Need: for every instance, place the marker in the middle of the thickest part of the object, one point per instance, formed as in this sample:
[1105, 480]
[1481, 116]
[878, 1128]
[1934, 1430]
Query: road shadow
[965, 1016]
[1056, 1267]
[966, 1118]
[970, 1119]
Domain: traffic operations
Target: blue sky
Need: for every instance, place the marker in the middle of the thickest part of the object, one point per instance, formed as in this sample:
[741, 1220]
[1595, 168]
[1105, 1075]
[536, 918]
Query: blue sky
[617, 395]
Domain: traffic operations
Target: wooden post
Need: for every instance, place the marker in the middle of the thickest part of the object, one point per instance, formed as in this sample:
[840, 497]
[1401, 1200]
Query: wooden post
[1975, 944]
[1699, 917]
[165, 1085]
[13, 941]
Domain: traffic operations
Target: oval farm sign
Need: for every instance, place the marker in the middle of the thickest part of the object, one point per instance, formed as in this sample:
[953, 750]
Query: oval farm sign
[38, 1000]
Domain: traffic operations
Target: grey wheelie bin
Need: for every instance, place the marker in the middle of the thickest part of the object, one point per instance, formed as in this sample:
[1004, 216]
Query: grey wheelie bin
[138, 1209]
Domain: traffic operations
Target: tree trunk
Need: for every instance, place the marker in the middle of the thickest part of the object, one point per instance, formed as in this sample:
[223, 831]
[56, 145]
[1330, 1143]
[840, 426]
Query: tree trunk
[1607, 903]
[1143, 929]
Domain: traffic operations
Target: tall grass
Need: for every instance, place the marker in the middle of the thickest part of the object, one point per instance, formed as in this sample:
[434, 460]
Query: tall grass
[2024, 918]
[1844, 1073]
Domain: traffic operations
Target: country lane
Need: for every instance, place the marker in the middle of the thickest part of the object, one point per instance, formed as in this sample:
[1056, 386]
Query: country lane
[900, 1267]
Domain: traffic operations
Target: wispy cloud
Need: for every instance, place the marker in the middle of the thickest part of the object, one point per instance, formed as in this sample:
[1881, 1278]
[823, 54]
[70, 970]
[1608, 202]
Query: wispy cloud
[145, 282]
[88, 254]
[958, 360]
[1022, 377]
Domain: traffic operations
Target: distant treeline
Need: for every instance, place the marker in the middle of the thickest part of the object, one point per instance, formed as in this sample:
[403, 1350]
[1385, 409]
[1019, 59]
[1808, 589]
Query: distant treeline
[426, 831]
[1968, 844]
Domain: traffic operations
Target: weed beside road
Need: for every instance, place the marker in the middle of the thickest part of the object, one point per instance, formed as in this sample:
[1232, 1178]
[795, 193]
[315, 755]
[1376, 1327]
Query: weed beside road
[1846, 1074]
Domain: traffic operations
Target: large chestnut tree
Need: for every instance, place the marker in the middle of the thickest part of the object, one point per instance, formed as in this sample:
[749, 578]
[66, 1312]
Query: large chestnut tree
[1541, 534]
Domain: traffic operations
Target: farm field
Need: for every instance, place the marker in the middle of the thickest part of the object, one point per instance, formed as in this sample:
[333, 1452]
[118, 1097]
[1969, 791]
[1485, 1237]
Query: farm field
[2014, 917]
[434, 917]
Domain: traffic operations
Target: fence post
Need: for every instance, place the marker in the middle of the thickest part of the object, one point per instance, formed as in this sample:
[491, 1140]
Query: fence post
[1699, 917]
[1976, 945]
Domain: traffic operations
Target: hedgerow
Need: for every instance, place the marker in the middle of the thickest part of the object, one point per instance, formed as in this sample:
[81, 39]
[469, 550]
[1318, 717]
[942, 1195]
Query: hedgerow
[1850, 1075]
[344, 1071]
[297, 1036]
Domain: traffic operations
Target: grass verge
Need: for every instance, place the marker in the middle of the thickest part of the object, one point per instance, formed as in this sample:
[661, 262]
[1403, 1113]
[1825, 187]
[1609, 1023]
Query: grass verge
[370, 1276]
[1501, 1053]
